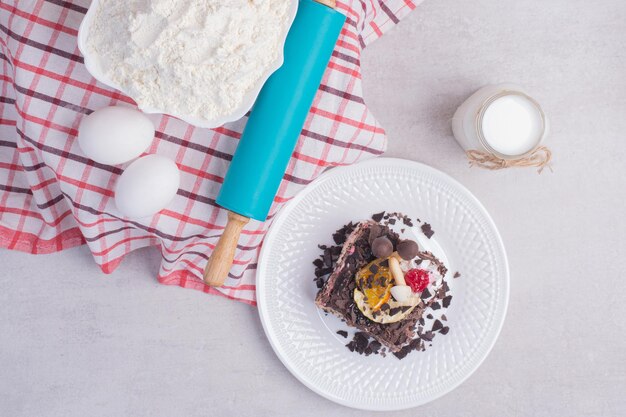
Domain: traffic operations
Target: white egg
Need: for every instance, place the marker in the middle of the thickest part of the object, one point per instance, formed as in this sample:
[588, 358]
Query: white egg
[146, 186]
[114, 135]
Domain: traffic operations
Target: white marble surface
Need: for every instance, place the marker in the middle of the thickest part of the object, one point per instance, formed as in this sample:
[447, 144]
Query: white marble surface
[75, 342]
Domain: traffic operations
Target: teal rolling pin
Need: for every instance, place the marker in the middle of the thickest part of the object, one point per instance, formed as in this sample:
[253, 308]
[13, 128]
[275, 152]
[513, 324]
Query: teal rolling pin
[273, 128]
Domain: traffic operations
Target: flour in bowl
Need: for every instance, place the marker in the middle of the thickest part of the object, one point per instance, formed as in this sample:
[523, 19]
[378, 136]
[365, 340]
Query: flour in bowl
[197, 58]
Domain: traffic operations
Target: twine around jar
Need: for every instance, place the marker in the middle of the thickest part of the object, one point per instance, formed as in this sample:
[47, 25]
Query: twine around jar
[540, 157]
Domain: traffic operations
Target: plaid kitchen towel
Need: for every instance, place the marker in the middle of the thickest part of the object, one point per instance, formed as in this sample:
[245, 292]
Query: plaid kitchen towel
[53, 198]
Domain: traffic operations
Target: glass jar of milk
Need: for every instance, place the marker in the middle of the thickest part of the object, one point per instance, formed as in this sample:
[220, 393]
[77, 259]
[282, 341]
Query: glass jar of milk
[501, 121]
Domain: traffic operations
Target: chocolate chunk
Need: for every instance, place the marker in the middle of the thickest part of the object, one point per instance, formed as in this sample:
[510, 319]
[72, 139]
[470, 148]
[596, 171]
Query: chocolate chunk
[350, 346]
[373, 268]
[437, 325]
[361, 341]
[318, 263]
[384, 307]
[442, 269]
[444, 318]
[445, 330]
[375, 346]
[342, 333]
[328, 260]
[375, 231]
[323, 271]
[430, 316]
[394, 311]
[428, 336]
[378, 216]
[415, 344]
[339, 237]
[456, 275]
[427, 230]
[385, 263]
[435, 306]
[392, 221]
[426, 294]
[407, 221]
[418, 261]
[446, 301]
[401, 354]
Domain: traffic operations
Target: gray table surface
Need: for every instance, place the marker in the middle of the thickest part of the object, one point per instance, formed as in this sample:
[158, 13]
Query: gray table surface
[75, 342]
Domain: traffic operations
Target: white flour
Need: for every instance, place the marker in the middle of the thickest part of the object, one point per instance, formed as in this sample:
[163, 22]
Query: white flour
[188, 57]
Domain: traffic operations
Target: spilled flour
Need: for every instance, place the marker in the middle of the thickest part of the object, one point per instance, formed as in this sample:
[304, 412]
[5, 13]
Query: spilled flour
[196, 58]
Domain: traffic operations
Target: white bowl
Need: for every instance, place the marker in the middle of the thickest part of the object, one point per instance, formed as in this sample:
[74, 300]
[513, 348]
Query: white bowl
[92, 62]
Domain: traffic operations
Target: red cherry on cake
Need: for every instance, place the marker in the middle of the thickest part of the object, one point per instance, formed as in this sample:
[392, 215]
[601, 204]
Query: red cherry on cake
[417, 279]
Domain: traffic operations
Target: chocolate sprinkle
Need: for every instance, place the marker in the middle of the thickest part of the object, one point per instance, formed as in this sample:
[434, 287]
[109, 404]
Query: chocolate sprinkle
[342, 333]
[427, 230]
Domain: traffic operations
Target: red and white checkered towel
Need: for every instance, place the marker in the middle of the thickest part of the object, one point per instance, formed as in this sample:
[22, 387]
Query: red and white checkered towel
[53, 198]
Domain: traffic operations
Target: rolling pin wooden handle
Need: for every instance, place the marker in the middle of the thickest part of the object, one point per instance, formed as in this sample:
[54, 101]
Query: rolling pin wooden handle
[221, 259]
[330, 3]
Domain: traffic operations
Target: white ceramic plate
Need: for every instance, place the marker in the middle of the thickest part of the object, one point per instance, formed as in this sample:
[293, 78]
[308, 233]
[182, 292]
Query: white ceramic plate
[465, 237]
[92, 63]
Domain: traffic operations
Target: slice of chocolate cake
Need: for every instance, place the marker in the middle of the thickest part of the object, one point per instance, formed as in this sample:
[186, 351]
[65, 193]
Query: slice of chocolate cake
[337, 294]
